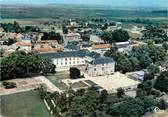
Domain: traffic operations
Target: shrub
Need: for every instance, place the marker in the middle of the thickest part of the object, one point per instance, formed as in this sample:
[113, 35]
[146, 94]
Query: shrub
[9, 85]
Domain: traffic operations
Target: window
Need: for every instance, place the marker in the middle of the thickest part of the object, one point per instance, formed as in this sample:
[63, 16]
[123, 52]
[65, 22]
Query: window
[102, 68]
[94, 69]
[65, 59]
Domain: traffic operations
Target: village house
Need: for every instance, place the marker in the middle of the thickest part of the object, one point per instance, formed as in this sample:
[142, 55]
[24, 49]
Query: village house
[123, 46]
[72, 37]
[100, 66]
[96, 39]
[23, 46]
[100, 48]
[45, 47]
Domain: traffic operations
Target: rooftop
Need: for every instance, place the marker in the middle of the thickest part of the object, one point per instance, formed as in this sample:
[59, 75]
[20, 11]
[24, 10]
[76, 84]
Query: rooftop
[23, 44]
[93, 55]
[101, 60]
[68, 54]
[101, 46]
[71, 46]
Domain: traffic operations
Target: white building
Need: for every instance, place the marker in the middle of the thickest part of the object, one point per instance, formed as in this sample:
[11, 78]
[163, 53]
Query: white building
[72, 37]
[100, 67]
[65, 60]
[123, 46]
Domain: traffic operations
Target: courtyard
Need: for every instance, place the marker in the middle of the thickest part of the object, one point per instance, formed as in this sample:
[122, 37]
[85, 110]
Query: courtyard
[109, 82]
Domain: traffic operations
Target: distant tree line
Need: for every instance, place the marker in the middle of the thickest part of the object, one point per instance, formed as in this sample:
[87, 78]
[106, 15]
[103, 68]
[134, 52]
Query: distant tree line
[16, 28]
[138, 20]
[21, 64]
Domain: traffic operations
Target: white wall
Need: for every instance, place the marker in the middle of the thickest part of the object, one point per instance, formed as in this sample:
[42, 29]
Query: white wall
[68, 62]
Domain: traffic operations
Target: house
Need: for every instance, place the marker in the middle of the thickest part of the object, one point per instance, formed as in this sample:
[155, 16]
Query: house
[123, 46]
[72, 37]
[65, 60]
[101, 48]
[23, 46]
[40, 47]
[137, 75]
[26, 39]
[96, 39]
[100, 66]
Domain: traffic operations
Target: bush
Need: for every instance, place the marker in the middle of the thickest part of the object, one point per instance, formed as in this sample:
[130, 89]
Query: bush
[9, 85]
[74, 73]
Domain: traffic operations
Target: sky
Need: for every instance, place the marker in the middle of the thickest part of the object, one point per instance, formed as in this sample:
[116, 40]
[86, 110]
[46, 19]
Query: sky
[131, 3]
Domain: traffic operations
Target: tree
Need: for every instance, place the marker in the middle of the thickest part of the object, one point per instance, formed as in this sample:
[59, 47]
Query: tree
[123, 64]
[148, 76]
[135, 64]
[153, 69]
[65, 29]
[21, 65]
[162, 104]
[103, 96]
[9, 42]
[140, 92]
[120, 35]
[107, 37]
[128, 108]
[115, 36]
[120, 92]
[162, 82]
[52, 36]
[74, 73]
[165, 46]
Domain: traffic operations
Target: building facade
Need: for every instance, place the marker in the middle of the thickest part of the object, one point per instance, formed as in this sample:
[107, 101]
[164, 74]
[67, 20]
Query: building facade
[100, 66]
[65, 60]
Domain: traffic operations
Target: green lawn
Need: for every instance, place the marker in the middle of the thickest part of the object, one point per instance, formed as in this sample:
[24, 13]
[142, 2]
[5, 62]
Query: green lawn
[56, 79]
[27, 104]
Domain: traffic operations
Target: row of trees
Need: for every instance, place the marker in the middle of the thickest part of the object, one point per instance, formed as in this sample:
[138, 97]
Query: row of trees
[94, 103]
[139, 58]
[115, 36]
[15, 27]
[21, 64]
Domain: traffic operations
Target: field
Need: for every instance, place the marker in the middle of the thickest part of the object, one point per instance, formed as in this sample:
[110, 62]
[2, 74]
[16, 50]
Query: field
[27, 104]
[60, 12]
[56, 79]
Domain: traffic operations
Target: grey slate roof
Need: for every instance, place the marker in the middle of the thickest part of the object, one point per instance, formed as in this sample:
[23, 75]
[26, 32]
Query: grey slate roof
[93, 55]
[102, 60]
[72, 46]
[80, 53]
